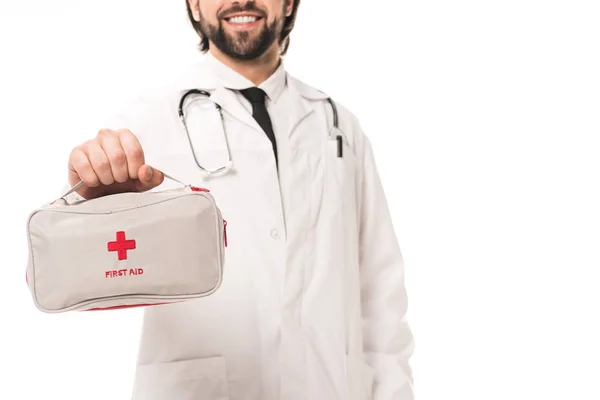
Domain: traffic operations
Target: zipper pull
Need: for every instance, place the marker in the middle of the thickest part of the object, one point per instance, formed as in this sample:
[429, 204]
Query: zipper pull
[197, 189]
[225, 231]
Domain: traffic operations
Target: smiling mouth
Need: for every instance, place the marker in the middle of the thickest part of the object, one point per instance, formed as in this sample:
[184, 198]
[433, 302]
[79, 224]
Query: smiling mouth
[243, 19]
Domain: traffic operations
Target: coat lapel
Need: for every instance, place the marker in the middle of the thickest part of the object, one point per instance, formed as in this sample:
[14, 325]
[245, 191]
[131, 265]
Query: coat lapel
[303, 97]
[227, 99]
[300, 109]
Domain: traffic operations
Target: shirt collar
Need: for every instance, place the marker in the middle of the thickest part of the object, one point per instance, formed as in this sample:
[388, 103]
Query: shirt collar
[227, 77]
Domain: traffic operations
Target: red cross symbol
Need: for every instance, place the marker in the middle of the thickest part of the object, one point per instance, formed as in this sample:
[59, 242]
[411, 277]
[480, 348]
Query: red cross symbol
[121, 245]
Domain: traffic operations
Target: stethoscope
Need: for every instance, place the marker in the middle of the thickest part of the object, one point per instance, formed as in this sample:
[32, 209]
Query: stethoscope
[335, 130]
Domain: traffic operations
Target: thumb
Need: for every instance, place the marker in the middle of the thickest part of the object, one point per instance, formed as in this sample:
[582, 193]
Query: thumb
[149, 178]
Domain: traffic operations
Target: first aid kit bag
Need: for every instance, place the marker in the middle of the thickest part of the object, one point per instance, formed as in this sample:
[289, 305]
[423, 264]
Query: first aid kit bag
[125, 250]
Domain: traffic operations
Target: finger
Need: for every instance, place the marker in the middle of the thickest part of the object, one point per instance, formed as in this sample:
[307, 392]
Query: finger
[157, 178]
[133, 151]
[100, 163]
[116, 157]
[149, 178]
[80, 165]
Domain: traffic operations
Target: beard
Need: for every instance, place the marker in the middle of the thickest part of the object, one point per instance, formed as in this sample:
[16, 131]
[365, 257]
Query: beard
[242, 45]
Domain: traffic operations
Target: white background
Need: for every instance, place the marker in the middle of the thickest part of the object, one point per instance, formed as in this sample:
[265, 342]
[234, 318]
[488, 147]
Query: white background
[484, 116]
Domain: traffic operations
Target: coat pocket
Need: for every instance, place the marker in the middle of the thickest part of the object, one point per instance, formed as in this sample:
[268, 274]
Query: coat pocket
[342, 167]
[195, 379]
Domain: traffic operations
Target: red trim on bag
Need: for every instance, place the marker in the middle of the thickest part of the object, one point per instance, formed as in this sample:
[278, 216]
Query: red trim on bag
[197, 189]
[225, 231]
[123, 307]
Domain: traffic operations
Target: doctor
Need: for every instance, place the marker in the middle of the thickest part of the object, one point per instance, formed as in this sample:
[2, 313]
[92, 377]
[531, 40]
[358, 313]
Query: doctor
[313, 301]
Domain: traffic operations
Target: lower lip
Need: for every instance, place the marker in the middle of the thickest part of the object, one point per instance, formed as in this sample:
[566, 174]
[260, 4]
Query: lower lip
[244, 27]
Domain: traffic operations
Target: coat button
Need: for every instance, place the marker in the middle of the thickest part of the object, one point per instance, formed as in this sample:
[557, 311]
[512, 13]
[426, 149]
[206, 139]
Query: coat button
[275, 234]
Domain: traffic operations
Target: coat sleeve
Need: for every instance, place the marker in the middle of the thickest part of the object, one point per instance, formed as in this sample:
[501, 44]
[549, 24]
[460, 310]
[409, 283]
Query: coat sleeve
[387, 337]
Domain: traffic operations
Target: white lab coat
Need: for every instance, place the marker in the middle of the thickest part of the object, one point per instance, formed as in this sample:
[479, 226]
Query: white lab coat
[313, 303]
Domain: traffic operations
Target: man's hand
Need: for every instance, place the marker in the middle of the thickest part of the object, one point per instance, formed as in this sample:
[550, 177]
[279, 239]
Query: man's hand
[111, 163]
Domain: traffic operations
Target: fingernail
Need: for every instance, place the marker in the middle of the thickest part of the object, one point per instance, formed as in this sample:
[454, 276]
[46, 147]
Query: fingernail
[149, 174]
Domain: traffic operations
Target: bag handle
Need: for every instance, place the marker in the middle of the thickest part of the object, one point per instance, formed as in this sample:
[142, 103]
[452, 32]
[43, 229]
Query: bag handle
[80, 184]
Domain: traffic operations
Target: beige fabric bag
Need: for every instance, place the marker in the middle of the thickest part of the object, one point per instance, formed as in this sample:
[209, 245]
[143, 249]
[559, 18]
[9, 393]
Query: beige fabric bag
[125, 250]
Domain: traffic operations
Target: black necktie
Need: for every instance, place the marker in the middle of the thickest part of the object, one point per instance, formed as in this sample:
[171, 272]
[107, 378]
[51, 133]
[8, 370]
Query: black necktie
[256, 96]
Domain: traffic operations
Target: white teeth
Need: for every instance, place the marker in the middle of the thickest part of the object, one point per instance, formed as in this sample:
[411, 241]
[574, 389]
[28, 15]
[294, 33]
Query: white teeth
[243, 20]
